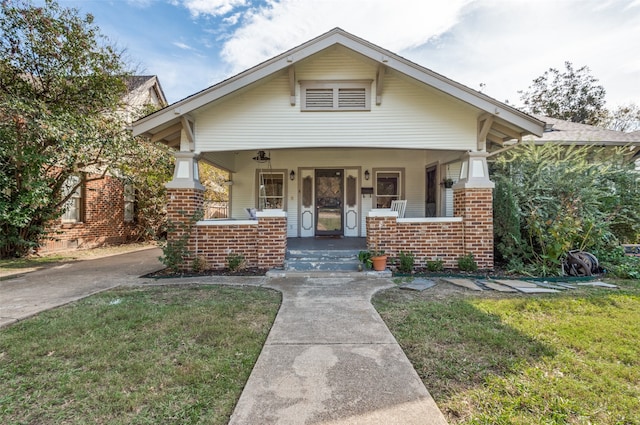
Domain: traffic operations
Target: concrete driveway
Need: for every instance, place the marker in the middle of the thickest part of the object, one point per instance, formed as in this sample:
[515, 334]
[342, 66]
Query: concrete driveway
[25, 295]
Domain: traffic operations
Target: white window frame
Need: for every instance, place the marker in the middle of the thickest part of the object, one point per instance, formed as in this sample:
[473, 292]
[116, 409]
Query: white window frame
[72, 209]
[129, 195]
[380, 172]
[335, 87]
[262, 198]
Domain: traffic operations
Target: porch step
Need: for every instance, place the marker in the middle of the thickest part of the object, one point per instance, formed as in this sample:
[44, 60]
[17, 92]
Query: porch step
[332, 260]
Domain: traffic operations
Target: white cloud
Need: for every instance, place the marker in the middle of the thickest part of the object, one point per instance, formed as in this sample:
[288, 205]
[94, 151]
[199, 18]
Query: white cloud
[281, 25]
[182, 46]
[503, 44]
[212, 7]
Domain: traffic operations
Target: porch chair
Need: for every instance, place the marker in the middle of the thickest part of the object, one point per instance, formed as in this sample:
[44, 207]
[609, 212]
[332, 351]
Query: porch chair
[399, 206]
[252, 213]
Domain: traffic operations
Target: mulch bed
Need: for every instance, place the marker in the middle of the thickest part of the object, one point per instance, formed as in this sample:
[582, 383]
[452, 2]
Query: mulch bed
[168, 273]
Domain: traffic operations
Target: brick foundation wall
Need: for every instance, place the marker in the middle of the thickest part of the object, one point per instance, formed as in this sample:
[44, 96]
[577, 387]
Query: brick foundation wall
[426, 240]
[262, 243]
[103, 219]
[475, 206]
[447, 240]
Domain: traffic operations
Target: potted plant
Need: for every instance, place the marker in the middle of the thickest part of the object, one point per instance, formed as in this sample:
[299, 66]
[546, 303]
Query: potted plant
[447, 183]
[373, 259]
[378, 260]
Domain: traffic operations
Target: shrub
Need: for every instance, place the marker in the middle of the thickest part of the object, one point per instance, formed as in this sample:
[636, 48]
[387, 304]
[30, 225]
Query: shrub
[407, 261]
[467, 263]
[199, 264]
[551, 199]
[435, 265]
[235, 262]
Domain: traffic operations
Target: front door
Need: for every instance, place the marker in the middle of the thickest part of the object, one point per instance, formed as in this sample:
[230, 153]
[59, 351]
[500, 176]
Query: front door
[329, 202]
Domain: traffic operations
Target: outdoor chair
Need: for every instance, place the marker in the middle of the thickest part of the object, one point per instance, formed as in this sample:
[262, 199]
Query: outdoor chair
[399, 206]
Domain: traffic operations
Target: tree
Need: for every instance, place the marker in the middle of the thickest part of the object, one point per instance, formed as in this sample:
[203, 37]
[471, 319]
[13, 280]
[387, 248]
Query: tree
[61, 85]
[624, 118]
[573, 95]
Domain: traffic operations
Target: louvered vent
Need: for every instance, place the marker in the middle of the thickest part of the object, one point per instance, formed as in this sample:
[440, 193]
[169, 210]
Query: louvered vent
[319, 98]
[335, 95]
[352, 98]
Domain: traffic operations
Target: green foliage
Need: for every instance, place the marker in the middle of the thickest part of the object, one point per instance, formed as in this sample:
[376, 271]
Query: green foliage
[406, 261]
[175, 248]
[623, 267]
[572, 95]
[467, 263]
[550, 199]
[235, 262]
[365, 258]
[61, 86]
[147, 168]
[435, 265]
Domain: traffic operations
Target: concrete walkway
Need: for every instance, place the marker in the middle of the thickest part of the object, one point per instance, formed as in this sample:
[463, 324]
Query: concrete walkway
[330, 359]
[28, 294]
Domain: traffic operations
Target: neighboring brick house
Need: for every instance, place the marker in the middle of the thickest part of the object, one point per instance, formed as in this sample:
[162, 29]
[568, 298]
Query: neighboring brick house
[102, 211]
[321, 139]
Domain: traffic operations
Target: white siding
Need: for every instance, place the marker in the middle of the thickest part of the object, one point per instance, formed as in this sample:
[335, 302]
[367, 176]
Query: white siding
[411, 115]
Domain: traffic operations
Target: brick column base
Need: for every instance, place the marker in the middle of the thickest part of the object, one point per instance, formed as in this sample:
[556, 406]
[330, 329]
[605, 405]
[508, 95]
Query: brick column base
[184, 208]
[475, 206]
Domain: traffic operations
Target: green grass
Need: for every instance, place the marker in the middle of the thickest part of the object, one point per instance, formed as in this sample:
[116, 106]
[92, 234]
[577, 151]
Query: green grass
[161, 355]
[572, 358]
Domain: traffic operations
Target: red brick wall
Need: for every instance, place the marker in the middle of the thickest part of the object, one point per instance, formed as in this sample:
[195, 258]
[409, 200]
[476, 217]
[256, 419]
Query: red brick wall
[475, 206]
[103, 219]
[426, 241]
[262, 244]
[445, 240]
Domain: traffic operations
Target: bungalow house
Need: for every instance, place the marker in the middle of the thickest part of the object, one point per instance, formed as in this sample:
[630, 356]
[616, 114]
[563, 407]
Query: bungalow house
[320, 140]
[102, 209]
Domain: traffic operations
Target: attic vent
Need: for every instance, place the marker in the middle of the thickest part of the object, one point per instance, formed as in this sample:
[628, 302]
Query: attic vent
[352, 98]
[319, 98]
[352, 95]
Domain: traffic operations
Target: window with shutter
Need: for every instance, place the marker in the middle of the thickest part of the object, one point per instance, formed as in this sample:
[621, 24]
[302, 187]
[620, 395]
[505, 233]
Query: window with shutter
[348, 95]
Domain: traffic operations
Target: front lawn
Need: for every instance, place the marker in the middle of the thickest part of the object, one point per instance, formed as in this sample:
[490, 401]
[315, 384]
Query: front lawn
[158, 355]
[572, 358]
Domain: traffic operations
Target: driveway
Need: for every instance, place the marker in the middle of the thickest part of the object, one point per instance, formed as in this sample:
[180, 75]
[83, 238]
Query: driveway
[26, 295]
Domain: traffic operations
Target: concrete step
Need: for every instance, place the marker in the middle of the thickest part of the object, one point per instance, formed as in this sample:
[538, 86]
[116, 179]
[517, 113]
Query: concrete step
[331, 260]
[321, 265]
[327, 253]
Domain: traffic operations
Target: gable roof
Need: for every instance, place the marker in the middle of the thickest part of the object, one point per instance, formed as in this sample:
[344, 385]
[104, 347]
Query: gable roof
[517, 121]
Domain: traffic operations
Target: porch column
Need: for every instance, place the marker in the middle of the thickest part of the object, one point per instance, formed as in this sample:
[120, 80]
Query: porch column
[473, 201]
[185, 200]
[271, 242]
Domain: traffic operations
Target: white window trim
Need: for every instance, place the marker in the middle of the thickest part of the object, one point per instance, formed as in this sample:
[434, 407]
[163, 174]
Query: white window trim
[401, 174]
[285, 178]
[129, 201]
[76, 199]
[335, 85]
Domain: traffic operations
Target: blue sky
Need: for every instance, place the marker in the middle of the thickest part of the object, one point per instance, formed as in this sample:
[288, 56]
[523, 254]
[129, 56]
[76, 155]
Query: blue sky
[498, 46]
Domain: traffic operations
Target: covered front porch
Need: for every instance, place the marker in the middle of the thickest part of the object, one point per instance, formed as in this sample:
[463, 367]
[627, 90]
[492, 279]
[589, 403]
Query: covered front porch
[274, 204]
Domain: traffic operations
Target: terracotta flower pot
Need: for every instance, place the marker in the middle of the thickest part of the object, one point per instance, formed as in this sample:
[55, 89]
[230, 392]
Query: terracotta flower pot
[379, 263]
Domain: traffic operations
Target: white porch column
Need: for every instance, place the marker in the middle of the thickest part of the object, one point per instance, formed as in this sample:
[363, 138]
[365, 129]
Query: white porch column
[185, 174]
[474, 173]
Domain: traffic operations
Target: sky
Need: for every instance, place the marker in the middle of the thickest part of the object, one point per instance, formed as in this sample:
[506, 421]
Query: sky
[495, 46]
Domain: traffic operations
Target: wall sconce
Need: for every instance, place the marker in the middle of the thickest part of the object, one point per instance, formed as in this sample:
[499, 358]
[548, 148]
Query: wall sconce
[292, 175]
[366, 174]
